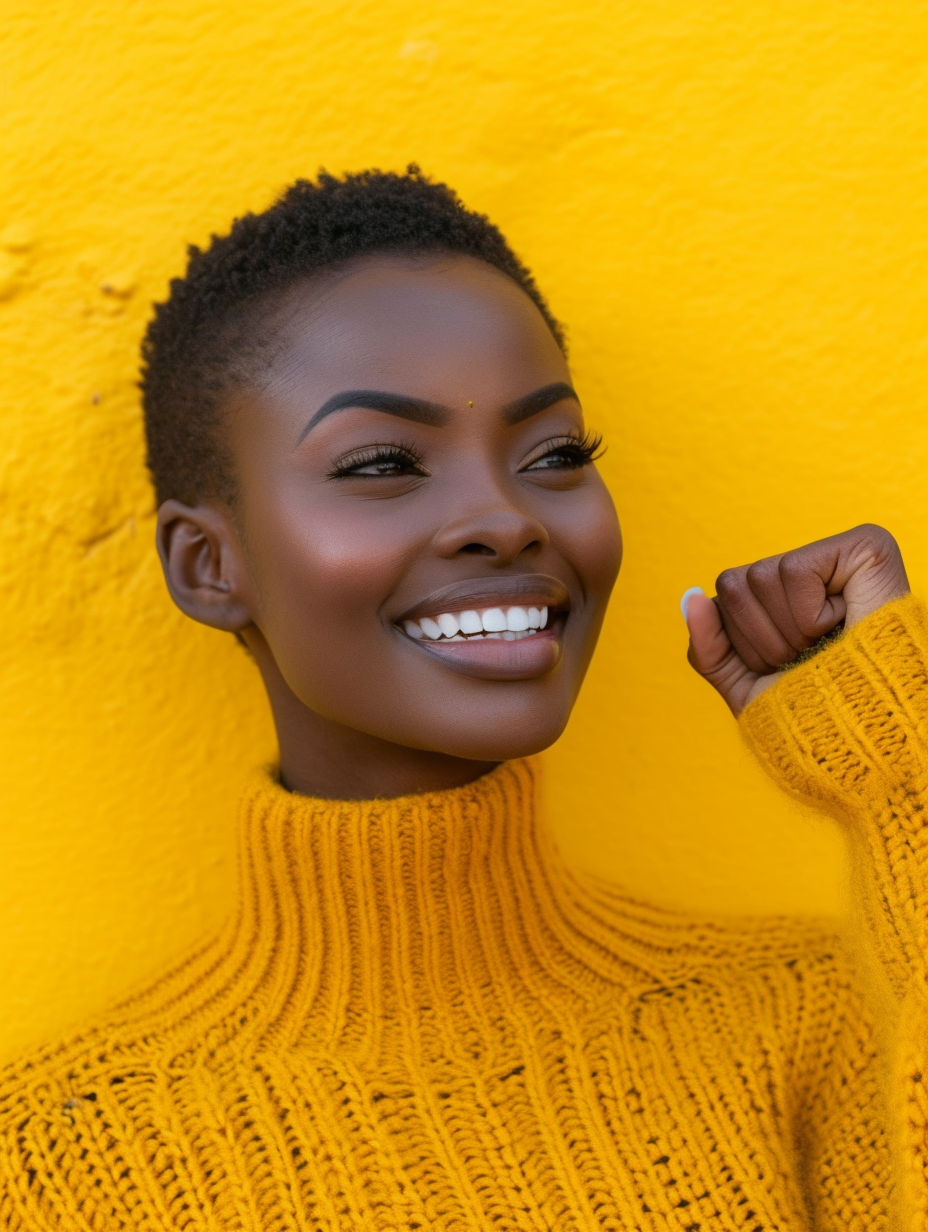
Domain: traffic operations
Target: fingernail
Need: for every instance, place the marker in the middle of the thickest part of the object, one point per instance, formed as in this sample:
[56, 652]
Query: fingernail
[686, 596]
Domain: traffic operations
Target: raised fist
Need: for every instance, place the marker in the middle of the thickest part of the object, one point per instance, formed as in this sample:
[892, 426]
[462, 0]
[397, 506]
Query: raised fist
[764, 615]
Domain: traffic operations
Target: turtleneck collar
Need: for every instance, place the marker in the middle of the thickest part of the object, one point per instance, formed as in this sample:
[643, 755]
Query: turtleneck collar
[353, 916]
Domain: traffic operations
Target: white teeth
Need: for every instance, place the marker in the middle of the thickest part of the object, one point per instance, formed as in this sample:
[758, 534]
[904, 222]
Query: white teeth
[471, 622]
[430, 628]
[494, 620]
[492, 624]
[448, 624]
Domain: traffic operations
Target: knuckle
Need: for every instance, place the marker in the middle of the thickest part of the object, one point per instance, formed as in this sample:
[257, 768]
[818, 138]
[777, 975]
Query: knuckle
[728, 583]
[792, 566]
[761, 572]
[878, 536]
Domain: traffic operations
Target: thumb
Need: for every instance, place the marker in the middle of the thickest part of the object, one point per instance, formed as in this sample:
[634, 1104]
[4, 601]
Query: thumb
[713, 656]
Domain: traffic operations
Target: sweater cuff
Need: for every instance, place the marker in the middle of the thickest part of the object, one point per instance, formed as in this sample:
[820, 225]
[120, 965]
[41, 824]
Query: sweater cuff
[847, 727]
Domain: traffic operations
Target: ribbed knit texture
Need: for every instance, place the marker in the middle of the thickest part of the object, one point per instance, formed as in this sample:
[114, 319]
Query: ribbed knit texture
[420, 1018]
[849, 732]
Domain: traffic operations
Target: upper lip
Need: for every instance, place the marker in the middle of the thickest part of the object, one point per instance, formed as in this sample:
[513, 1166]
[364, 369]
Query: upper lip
[524, 590]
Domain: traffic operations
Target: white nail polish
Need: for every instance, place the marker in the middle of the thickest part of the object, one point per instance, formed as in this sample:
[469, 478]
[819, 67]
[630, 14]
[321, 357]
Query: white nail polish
[686, 596]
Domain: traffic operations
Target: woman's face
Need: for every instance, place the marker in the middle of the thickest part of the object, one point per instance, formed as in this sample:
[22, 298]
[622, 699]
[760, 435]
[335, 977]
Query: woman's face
[428, 553]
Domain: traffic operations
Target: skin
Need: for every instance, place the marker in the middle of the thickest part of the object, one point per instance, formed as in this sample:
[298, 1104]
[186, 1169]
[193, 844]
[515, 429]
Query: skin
[765, 614]
[316, 573]
[335, 537]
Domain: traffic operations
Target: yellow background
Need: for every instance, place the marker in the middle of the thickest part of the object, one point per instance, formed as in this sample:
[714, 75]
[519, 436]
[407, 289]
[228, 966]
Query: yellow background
[725, 202]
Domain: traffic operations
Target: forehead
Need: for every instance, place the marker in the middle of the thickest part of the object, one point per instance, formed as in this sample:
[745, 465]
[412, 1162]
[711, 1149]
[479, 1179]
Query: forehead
[418, 321]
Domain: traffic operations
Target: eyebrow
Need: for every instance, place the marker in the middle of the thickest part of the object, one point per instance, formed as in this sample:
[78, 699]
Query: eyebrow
[405, 406]
[540, 400]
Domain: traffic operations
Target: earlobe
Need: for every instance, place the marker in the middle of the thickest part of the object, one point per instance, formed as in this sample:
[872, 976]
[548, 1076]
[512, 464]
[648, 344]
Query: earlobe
[203, 568]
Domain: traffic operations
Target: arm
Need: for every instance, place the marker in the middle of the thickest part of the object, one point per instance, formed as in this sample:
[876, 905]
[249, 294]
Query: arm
[846, 730]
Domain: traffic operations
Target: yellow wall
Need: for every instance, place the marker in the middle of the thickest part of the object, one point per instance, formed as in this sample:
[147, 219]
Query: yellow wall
[726, 203]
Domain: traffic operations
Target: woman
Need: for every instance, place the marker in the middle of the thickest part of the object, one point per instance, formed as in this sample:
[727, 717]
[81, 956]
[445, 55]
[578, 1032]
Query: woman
[372, 468]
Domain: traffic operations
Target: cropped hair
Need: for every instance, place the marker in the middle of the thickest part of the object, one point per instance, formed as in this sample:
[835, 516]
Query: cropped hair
[206, 340]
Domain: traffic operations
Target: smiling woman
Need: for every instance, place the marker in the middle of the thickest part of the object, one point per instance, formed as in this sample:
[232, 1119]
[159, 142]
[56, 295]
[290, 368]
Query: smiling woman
[372, 467]
[464, 487]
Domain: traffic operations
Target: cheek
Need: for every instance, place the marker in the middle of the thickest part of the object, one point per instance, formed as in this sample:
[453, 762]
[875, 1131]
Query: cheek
[591, 539]
[331, 567]
[325, 573]
[322, 592]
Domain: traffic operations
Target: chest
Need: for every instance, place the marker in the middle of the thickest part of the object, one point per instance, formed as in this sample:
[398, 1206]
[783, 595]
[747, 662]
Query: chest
[663, 1115]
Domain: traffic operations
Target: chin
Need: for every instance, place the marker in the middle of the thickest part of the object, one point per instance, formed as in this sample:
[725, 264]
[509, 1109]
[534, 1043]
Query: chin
[503, 723]
[480, 746]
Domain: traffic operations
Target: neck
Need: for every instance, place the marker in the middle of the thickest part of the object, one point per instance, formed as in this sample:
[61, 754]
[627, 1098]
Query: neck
[355, 918]
[323, 758]
[354, 915]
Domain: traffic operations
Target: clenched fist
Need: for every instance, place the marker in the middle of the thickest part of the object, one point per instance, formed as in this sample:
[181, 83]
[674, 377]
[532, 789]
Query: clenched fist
[764, 615]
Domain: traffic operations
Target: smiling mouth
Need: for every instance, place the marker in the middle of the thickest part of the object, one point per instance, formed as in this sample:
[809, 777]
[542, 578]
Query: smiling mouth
[494, 653]
[509, 624]
[504, 628]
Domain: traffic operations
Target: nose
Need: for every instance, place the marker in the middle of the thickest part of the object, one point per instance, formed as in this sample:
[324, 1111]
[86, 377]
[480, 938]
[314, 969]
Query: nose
[496, 528]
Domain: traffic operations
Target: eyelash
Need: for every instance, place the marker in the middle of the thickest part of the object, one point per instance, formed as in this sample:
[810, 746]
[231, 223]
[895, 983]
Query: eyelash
[577, 451]
[404, 455]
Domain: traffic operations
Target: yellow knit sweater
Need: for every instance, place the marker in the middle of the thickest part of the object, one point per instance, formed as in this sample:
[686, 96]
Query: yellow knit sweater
[419, 1018]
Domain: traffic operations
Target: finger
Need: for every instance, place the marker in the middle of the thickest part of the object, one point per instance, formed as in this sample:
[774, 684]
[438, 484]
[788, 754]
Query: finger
[843, 577]
[875, 571]
[753, 633]
[812, 583]
[712, 654]
[763, 579]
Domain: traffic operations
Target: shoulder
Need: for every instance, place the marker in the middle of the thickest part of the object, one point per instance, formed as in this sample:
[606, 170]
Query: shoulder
[47, 1103]
[734, 956]
[78, 1109]
[53, 1080]
[773, 995]
[57, 1083]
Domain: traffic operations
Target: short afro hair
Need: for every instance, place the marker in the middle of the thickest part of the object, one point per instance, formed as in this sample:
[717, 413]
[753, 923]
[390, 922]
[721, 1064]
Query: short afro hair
[203, 341]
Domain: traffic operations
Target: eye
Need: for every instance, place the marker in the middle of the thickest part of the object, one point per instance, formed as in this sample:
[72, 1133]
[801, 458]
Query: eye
[566, 453]
[379, 462]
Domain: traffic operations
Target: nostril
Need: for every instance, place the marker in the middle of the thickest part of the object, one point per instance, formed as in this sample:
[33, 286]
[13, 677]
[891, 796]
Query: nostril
[477, 549]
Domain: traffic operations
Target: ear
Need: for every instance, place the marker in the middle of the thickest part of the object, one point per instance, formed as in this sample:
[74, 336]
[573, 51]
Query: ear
[203, 565]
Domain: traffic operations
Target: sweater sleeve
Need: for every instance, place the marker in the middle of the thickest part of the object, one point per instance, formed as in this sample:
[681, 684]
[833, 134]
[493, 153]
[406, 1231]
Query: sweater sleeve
[846, 731]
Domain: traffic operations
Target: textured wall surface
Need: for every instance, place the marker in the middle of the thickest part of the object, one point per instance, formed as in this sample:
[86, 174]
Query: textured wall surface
[726, 204]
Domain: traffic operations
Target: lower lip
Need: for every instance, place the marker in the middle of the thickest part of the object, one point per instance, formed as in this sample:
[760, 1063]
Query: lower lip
[489, 659]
